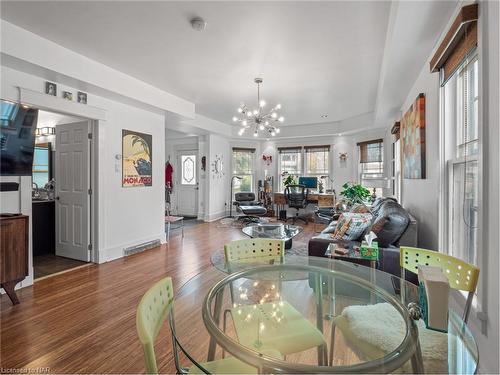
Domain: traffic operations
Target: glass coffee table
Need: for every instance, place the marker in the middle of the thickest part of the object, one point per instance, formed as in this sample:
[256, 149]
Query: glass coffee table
[277, 231]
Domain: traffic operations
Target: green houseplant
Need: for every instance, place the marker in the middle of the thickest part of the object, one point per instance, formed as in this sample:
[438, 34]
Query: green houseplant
[355, 193]
[288, 179]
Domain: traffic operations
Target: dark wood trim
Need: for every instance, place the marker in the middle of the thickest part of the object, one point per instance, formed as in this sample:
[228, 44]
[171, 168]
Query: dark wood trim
[456, 32]
[396, 128]
[281, 149]
[322, 147]
[370, 142]
[243, 149]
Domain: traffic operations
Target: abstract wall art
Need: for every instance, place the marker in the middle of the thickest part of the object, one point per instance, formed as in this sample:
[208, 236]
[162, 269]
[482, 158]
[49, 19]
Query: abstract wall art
[413, 140]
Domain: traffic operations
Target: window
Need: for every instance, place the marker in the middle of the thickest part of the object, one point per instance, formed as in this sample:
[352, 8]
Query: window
[188, 170]
[317, 163]
[396, 169]
[371, 165]
[290, 162]
[243, 160]
[461, 103]
[41, 164]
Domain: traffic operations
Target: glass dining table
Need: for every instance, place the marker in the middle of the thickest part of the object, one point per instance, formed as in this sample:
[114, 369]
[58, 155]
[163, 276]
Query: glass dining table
[220, 314]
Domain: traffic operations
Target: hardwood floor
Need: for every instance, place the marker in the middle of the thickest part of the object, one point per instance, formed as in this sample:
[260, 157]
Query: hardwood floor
[83, 321]
[49, 264]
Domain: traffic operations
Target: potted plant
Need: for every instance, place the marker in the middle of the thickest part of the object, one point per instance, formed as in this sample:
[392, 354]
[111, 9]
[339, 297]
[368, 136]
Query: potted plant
[355, 193]
[288, 179]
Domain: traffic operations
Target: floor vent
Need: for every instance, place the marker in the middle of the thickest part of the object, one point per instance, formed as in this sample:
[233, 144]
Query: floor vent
[141, 247]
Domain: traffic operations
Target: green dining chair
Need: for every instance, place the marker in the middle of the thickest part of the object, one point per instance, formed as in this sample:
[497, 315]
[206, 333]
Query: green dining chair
[372, 330]
[294, 333]
[153, 310]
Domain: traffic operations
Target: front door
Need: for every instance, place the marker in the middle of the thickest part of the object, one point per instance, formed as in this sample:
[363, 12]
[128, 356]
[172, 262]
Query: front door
[187, 183]
[72, 190]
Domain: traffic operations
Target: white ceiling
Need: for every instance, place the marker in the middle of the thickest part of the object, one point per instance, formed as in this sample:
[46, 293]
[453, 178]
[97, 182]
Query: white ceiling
[315, 57]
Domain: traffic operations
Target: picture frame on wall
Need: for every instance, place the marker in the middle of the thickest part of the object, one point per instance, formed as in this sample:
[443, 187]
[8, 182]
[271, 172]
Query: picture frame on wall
[137, 161]
[67, 95]
[412, 135]
[81, 97]
[50, 88]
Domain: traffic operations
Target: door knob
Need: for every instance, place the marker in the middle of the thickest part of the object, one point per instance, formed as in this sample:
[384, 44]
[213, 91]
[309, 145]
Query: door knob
[57, 198]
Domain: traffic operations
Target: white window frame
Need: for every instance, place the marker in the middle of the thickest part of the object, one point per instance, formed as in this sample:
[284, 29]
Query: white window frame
[252, 169]
[396, 169]
[449, 158]
[305, 168]
[296, 173]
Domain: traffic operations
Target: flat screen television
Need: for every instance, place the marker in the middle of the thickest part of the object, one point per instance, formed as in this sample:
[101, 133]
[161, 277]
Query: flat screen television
[17, 138]
[309, 182]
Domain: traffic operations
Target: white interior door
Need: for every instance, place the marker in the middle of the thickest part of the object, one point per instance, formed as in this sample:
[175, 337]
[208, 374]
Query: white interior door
[187, 182]
[72, 194]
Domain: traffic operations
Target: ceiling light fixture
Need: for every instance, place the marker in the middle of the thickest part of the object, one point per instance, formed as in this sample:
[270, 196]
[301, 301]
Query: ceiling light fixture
[258, 119]
[324, 116]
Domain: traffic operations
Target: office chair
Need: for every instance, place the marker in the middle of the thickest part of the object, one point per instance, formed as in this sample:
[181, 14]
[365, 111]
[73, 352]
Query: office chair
[296, 197]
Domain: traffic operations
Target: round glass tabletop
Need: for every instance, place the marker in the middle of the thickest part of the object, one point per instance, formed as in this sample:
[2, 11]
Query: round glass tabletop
[312, 315]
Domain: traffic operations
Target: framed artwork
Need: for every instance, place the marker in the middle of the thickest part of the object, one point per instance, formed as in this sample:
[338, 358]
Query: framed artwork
[67, 95]
[137, 164]
[51, 88]
[413, 140]
[81, 97]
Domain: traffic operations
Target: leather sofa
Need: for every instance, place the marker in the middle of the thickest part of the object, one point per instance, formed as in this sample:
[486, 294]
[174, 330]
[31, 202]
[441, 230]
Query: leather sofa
[394, 227]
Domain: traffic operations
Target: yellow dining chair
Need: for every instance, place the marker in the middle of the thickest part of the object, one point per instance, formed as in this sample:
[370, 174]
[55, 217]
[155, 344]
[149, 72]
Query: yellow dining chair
[362, 325]
[461, 275]
[294, 333]
[154, 308]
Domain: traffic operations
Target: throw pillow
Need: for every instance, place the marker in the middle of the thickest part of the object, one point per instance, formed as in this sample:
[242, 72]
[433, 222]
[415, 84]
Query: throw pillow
[353, 227]
[342, 226]
[360, 209]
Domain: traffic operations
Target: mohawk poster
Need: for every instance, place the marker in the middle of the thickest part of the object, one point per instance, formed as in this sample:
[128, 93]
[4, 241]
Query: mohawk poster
[137, 166]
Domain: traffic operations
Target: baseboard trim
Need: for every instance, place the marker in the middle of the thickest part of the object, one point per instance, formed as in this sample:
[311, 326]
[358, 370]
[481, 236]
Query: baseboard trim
[116, 252]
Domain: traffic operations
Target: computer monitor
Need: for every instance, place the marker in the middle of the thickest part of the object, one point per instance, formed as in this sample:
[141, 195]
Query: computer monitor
[309, 182]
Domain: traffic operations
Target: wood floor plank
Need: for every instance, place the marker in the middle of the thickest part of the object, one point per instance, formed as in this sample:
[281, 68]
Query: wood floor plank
[83, 321]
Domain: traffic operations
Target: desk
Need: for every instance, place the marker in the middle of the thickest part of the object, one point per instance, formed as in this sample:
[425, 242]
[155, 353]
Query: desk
[321, 199]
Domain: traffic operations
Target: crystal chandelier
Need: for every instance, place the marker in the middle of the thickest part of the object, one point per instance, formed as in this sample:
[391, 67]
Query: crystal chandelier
[259, 119]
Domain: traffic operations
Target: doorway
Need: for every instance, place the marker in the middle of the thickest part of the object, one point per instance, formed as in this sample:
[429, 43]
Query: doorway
[61, 194]
[187, 183]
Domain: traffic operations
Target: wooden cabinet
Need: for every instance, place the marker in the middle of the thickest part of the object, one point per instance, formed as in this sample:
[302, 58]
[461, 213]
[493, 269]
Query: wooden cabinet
[13, 252]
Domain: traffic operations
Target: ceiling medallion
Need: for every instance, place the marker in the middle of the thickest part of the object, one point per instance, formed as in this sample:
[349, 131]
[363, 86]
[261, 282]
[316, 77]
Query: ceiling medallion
[259, 119]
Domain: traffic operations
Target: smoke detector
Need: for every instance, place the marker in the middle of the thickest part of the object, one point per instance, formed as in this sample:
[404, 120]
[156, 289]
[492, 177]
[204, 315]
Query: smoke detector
[198, 23]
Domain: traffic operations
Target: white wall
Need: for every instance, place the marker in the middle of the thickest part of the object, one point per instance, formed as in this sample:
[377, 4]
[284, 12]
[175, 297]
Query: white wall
[217, 188]
[421, 196]
[127, 216]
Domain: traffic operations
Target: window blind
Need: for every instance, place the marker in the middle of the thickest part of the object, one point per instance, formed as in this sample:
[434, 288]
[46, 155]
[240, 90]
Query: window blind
[242, 149]
[289, 150]
[325, 148]
[458, 42]
[370, 151]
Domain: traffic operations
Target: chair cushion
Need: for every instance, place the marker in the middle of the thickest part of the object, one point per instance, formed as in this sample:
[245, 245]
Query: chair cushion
[244, 197]
[292, 334]
[373, 331]
[252, 210]
[232, 365]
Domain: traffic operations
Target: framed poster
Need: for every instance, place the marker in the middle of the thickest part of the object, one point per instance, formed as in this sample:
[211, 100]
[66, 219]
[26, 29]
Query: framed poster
[137, 163]
[413, 140]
